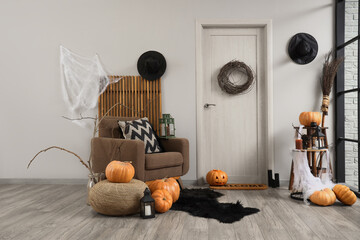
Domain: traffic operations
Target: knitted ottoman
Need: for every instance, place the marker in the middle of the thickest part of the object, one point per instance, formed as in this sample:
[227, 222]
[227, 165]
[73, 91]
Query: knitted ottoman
[117, 198]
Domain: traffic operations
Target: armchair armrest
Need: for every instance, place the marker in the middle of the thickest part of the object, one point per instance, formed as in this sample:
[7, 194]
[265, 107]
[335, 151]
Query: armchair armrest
[104, 150]
[180, 145]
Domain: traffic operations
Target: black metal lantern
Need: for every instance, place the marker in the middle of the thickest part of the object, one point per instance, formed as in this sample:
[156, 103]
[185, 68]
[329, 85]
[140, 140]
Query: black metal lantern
[147, 205]
[317, 138]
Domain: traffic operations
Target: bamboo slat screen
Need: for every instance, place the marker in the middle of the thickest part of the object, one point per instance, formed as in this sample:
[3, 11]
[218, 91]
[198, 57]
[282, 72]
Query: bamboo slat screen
[137, 97]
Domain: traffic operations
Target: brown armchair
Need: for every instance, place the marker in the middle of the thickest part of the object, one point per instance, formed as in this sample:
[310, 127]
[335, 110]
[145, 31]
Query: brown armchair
[110, 145]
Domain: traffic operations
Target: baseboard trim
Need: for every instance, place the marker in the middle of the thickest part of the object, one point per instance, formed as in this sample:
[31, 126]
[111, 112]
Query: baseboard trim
[189, 182]
[70, 181]
[284, 183]
[78, 181]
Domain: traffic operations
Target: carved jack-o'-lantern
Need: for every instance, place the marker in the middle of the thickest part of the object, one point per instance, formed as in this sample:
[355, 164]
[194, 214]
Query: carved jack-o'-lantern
[216, 177]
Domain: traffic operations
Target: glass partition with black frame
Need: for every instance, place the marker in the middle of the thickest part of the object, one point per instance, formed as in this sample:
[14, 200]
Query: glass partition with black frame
[347, 94]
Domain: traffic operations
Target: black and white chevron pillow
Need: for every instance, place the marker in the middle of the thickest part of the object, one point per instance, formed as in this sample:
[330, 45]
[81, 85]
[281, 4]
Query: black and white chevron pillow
[141, 129]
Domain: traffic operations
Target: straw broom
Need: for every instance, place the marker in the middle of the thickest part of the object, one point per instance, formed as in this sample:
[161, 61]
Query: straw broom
[330, 67]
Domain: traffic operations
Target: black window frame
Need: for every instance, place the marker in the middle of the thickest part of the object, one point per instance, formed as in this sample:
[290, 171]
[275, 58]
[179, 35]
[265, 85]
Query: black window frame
[340, 45]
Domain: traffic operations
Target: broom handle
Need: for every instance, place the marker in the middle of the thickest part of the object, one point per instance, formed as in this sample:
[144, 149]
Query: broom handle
[324, 108]
[324, 130]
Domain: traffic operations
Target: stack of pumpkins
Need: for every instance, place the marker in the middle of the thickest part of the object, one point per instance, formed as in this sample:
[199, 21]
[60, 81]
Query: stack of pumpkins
[165, 192]
[327, 197]
[120, 194]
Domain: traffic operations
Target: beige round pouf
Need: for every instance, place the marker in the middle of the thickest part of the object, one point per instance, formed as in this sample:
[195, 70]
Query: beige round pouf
[117, 198]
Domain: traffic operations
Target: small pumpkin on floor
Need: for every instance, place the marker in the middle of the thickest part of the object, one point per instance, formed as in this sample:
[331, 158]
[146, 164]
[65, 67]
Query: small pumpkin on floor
[169, 184]
[344, 194]
[163, 200]
[119, 172]
[216, 177]
[325, 197]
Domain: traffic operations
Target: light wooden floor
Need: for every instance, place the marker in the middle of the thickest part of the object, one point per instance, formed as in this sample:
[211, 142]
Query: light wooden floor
[59, 212]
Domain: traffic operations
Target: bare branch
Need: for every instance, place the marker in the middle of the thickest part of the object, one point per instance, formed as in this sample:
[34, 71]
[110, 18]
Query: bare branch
[63, 149]
[108, 111]
[116, 104]
[78, 119]
[297, 130]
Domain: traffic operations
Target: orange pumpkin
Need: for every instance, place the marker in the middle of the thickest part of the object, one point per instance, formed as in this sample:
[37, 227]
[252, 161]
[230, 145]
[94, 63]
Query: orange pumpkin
[323, 197]
[344, 194]
[163, 200]
[306, 118]
[119, 172]
[169, 184]
[216, 177]
[331, 193]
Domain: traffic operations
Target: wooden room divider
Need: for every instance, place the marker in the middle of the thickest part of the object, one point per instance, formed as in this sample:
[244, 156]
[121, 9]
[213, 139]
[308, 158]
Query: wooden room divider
[137, 97]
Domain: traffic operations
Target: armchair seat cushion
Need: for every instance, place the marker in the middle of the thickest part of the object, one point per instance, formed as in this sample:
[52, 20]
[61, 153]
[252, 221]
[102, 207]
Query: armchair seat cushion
[163, 160]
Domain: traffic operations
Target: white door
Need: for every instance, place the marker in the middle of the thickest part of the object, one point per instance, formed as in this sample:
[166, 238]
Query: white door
[233, 131]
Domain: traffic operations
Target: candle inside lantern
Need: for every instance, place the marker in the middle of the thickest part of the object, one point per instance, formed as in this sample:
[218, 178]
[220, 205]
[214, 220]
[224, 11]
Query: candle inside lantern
[162, 128]
[172, 129]
[147, 210]
[147, 205]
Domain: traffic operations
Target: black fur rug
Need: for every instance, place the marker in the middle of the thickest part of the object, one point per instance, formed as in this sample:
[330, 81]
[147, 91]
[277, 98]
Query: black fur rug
[204, 203]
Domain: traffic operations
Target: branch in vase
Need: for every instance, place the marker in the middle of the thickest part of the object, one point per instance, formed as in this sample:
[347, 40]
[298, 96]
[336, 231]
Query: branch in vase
[62, 149]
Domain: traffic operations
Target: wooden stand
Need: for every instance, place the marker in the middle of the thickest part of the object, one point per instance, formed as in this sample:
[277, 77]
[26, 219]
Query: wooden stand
[314, 156]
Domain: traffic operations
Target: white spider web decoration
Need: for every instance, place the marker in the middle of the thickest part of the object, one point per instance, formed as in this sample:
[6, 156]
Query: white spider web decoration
[84, 79]
[304, 181]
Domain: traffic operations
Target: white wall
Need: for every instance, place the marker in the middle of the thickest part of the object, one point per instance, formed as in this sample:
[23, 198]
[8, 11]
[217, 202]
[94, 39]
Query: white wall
[120, 31]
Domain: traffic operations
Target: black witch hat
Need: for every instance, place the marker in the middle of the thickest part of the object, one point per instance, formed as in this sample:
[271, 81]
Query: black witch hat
[302, 48]
[151, 65]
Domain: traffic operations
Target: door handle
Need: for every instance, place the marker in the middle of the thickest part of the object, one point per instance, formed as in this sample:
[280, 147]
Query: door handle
[209, 104]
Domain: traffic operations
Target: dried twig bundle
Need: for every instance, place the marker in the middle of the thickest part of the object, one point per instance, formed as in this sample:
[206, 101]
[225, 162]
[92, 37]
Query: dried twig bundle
[330, 68]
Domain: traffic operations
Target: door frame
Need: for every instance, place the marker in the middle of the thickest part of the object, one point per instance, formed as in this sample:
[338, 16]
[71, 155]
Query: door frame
[269, 138]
